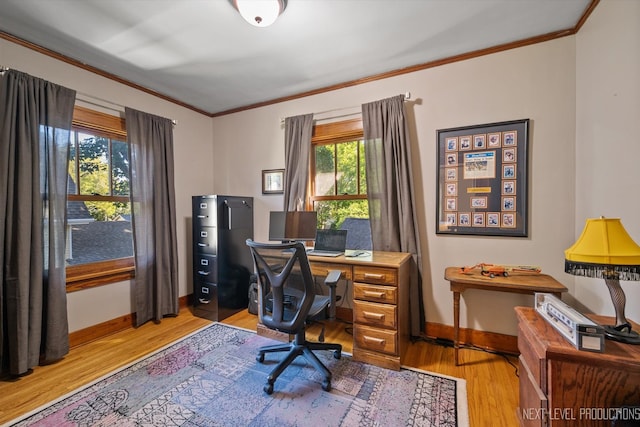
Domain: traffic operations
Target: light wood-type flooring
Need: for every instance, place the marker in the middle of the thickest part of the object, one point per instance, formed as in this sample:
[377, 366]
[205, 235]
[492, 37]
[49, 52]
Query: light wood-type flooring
[492, 382]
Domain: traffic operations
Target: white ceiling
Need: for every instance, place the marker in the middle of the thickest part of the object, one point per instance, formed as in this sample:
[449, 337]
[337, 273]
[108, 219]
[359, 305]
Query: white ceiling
[203, 54]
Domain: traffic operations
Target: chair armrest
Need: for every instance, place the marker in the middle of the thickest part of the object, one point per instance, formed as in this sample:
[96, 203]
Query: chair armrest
[332, 282]
[332, 278]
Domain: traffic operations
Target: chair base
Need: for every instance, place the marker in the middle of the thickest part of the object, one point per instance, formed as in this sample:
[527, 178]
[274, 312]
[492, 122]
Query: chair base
[299, 347]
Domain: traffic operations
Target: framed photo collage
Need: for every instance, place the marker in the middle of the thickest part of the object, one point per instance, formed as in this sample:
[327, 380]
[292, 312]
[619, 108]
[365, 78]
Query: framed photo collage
[482, 179]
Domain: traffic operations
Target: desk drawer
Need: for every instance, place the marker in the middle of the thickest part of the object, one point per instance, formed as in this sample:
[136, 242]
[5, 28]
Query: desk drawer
[383, 315]
[323, 268]
[379, 340]
[378, 275]
[375, 293]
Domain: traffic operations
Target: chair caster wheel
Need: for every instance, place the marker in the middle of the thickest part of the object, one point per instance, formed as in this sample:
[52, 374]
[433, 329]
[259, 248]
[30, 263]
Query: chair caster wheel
[260, 357]
[326, 385]
[268, 388]
[337, 354]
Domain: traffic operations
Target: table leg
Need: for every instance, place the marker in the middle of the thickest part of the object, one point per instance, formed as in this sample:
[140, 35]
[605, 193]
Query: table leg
[456, 325]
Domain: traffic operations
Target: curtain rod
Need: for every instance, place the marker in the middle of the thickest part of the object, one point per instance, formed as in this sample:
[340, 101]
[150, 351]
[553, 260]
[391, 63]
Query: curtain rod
[407, 97]
[120, 108]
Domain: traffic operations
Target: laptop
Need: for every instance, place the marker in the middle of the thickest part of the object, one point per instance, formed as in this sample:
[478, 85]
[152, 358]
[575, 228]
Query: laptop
[330, 243]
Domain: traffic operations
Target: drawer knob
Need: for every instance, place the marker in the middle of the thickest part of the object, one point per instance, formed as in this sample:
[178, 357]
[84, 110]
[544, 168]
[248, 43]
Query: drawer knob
[374, 340]
[372, 294]
[371, 315]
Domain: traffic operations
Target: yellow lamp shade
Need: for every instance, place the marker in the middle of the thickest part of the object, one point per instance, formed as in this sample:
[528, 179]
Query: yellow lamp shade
[604, 241]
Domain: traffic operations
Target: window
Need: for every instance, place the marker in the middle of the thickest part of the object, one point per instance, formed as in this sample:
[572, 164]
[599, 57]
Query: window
[99, 232]
[337, 173]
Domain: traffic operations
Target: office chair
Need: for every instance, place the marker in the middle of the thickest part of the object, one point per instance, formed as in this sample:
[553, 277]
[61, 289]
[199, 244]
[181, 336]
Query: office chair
[286, 309]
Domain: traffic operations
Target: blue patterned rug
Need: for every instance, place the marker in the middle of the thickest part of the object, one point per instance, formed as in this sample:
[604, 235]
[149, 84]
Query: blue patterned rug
[211, 378]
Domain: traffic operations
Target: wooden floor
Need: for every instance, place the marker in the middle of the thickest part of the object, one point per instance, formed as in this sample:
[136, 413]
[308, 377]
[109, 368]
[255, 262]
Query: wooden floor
[492, 382]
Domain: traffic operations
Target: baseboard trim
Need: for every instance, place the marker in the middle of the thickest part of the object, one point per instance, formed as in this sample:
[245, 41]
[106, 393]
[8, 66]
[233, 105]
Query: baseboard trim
[104, 329]
[491, 341]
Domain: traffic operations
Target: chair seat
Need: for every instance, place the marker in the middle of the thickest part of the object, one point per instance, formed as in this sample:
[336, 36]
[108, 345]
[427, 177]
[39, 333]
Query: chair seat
[320, 303]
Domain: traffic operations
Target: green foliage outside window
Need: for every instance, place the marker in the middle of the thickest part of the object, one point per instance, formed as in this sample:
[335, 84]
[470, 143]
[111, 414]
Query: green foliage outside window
[102, 170]
[340, 180]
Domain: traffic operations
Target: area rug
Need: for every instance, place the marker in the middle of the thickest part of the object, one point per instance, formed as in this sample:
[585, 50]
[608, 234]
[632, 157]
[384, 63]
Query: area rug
[212, 378]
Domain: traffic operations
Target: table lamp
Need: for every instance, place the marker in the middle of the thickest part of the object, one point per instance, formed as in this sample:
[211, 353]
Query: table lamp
[605, 250]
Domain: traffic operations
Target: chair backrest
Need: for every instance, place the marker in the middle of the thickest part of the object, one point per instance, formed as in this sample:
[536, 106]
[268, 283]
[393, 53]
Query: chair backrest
[359, 233]
[274, 264]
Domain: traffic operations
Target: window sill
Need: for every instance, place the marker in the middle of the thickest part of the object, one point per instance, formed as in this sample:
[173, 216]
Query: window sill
[86, 276]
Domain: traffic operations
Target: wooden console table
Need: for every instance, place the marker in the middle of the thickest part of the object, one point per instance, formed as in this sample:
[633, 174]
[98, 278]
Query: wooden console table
[561, 386]
[520, 283]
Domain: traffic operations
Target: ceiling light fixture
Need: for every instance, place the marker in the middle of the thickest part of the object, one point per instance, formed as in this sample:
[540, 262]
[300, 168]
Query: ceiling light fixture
[260, 13]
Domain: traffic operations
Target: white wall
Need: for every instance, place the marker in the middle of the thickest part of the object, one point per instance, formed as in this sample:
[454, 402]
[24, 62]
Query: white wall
[193, 154]
[607, 135]
[535, 82]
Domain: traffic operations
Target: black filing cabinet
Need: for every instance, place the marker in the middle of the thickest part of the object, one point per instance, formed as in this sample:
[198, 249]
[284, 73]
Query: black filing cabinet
[222, 263]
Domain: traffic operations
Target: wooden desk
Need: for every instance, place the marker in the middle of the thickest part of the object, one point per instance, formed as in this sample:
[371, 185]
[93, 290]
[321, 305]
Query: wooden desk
[561, 386]
[521, 283]
[381, 303]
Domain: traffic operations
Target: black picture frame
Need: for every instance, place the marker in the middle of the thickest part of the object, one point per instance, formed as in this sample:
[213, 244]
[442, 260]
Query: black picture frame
[482, 179]
[273, 181]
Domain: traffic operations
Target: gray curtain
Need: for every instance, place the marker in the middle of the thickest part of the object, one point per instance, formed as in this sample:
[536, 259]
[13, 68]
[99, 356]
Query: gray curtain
[297, 143]
[35, 127]
[390, 191]
[153, 210]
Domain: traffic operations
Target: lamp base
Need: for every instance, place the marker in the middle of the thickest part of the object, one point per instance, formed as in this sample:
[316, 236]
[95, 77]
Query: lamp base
[622, 333]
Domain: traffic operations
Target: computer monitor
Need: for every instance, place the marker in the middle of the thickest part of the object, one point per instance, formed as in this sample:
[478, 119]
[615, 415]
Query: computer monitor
[292, 225]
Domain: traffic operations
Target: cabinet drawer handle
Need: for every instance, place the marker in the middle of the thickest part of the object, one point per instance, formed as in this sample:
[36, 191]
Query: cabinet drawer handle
[202, 245]
[373, 294]
[373, 276]
[203, 273]
[202, 216]
[374, 340]
[375, 316]
[204, 301]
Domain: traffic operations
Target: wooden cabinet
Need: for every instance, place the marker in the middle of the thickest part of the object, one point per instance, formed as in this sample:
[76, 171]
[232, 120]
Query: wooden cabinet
[563, 386]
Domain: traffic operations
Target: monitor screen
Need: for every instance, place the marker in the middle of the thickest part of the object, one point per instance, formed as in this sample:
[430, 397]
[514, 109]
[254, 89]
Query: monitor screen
[294, 225]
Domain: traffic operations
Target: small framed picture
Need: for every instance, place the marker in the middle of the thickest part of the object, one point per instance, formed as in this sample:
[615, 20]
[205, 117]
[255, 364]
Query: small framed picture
[510, 139]
[494, 140]
[273, 181]
[509, 171]
[508, 187]
[478, 219]
[464, 219]
[465, 143]
[493, 219]
[479, 202]
[508, 155]
[508, 220]
[452, 174]
[479, 142]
